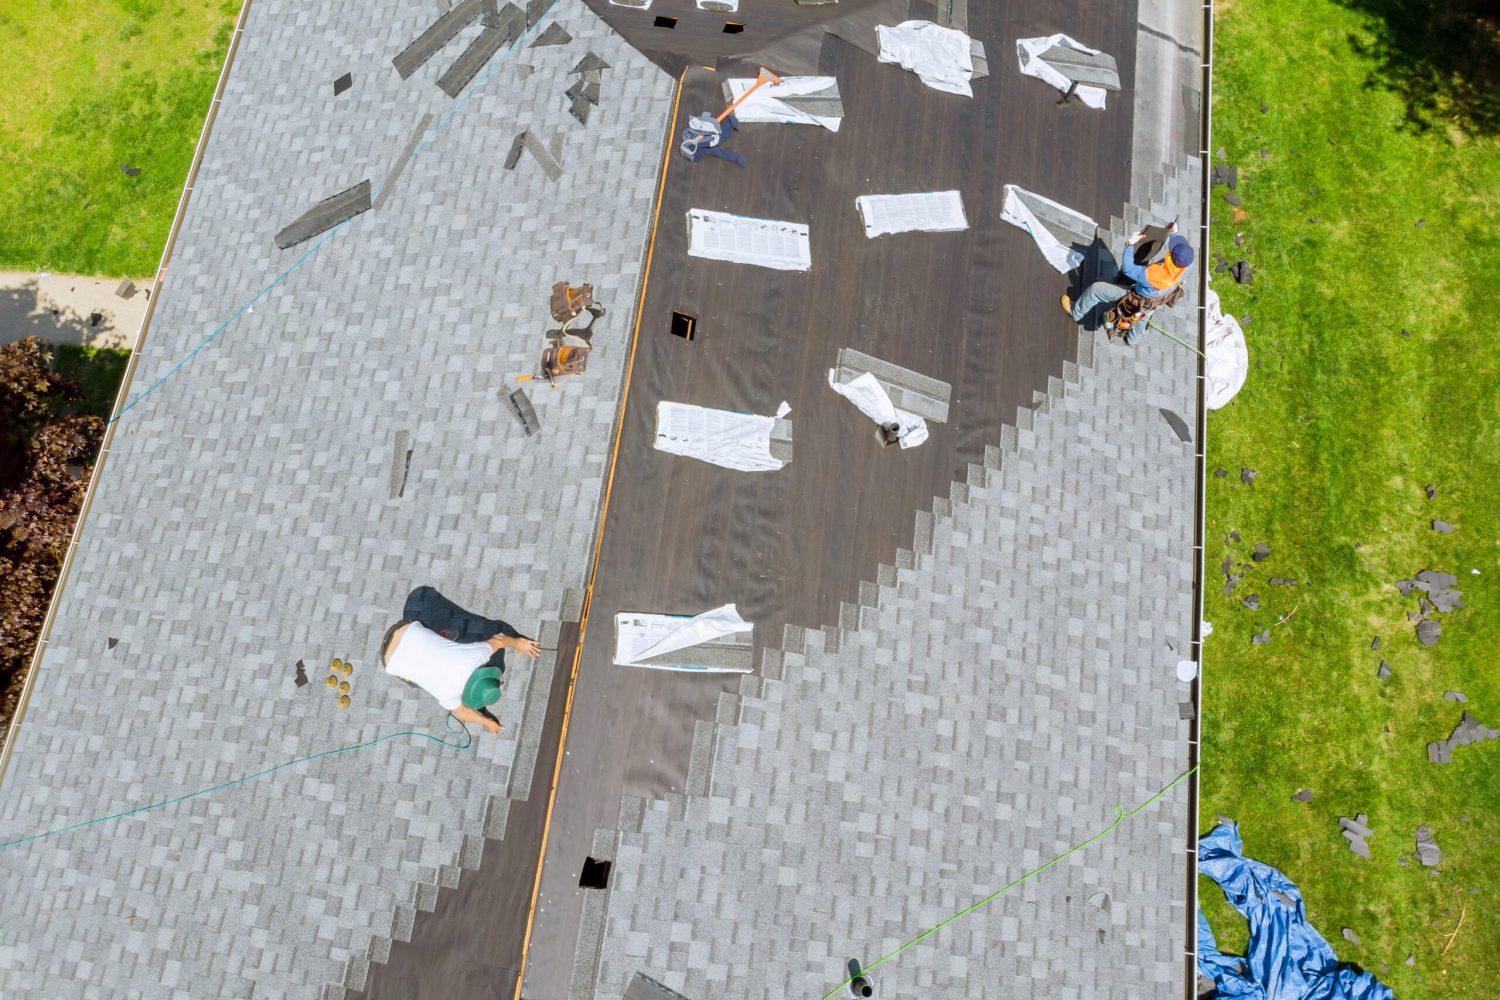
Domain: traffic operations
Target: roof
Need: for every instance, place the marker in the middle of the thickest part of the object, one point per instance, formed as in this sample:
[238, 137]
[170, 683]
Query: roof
[964, 652]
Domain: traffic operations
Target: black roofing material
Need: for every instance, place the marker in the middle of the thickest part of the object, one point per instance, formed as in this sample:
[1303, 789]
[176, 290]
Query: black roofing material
[521, 409]
[1442, 527]
[1355, 831]
[1178, 425]
[552, 34]
[301, 679]
[1468, 732]
[1427, 848]
[1241, 270]
[1302, 795]
[441, 32]
[643, 987]
[325, 215]
[1247, 476]
[500, 30]
[343, 83]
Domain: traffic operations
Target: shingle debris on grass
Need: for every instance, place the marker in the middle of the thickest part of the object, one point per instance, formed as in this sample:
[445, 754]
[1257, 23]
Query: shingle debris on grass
[1457, 696]
[1252, 602]
[1226, 175]
[131, 171]
[1241, 270]
[1261, 638]
[1234, 200]
[1431, 492]
[1235, 536]
[1247, 476]
[1384, 673]
[1411, 960]
[1435, 580]
[1281, 581]
[1427, 848]
[1429, 632]
[1220, 473]
[1468, 732]
[1231, 583]
[1262, 552]
[1355, 832]
[1375, 644]
[1303, 795]
[1442, 527]
[1351, 937]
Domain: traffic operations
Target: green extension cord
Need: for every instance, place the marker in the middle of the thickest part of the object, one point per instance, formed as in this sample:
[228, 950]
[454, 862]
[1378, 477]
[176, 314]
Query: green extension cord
[462, 730]
[1120, 816]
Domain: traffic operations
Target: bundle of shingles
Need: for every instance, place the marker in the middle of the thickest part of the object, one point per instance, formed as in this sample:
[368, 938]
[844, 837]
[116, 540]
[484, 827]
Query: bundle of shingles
[1440, 596]
[1355, 831]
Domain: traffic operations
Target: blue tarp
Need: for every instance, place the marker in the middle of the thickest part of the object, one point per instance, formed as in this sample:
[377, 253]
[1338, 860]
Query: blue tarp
[1287, 958]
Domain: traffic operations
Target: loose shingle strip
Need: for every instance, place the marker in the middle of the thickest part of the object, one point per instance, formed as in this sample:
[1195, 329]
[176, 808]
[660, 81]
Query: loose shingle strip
[325, 215]
[440, 33]
[402, 159]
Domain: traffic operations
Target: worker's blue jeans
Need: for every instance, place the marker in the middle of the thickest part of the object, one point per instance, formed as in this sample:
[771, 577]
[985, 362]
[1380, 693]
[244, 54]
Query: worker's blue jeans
[1100, 293]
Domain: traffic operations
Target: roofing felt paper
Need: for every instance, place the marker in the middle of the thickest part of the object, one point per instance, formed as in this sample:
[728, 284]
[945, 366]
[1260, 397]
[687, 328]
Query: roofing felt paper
[1032, 64]
[1024, 209]
[735, 440]
[767, 105]
[942, 57]
[640, 637]
[867, 393]
[741, 239]
[928, 212]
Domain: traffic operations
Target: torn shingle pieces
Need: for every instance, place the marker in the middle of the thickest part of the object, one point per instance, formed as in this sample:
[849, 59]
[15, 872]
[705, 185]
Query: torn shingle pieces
[583, 95]
[1468, 732]
[1440, 597]
[1427, 848]
[325, 215]
[1355, 832]
[546, 158]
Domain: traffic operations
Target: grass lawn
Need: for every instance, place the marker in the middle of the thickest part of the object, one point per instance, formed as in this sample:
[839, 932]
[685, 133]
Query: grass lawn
[1375, 372]
[93, 87]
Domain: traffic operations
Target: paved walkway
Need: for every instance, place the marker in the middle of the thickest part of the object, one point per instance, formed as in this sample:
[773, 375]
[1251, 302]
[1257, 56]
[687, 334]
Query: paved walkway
[70, 309]
[246, 522]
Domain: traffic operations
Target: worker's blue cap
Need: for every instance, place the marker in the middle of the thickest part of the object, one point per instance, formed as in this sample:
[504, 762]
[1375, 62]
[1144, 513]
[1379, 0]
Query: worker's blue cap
[1180, 250]
[483, 688]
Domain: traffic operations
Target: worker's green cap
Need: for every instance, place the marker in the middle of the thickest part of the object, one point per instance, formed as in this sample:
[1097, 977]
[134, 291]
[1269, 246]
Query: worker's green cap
[482, 688]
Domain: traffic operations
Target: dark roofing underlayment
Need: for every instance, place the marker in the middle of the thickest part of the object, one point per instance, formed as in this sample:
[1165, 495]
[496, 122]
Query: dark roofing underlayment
[806, 545]
[948, 691]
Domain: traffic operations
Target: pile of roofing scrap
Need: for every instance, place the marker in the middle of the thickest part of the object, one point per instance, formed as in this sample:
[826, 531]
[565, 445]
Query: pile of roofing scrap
[584, 93]
[1468, 732]
[1355, 831]
[1287, 959]
[1440, 596]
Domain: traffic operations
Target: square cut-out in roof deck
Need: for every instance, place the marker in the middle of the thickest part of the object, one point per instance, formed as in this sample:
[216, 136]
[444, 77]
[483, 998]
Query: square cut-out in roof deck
[733, 27]
[595, 874]
[683, 325]
[663, 21]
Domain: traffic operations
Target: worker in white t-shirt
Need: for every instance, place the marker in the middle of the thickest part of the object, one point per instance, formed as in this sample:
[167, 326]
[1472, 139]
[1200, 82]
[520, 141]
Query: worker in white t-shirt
[455, 673]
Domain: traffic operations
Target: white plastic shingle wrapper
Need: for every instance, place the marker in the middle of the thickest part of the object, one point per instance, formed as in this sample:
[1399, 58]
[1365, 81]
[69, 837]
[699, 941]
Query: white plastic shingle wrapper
[640, 637]
[1228, 361]
[1032, 64]
[740, 441]
[927, 212]
[1018, 213]
[766, 107]
[741, 239]
[942, 57]
[870, 397]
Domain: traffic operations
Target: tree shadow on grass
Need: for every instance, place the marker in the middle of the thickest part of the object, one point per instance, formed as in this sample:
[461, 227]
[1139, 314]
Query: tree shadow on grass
[1442, 57]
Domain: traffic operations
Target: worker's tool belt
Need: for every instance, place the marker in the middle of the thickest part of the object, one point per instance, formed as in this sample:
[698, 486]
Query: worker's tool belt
[564, 360]
[1129, 310]
[570, 300]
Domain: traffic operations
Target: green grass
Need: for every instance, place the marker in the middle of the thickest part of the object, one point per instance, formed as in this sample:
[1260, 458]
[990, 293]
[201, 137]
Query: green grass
[94, 87]
[1346, 419]
[97, 370]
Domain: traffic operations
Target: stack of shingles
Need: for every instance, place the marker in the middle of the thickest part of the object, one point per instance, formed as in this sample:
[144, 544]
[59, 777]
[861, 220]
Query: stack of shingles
[1355, 831]
[1468, 732]
[1441, 596]
[584, 93]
